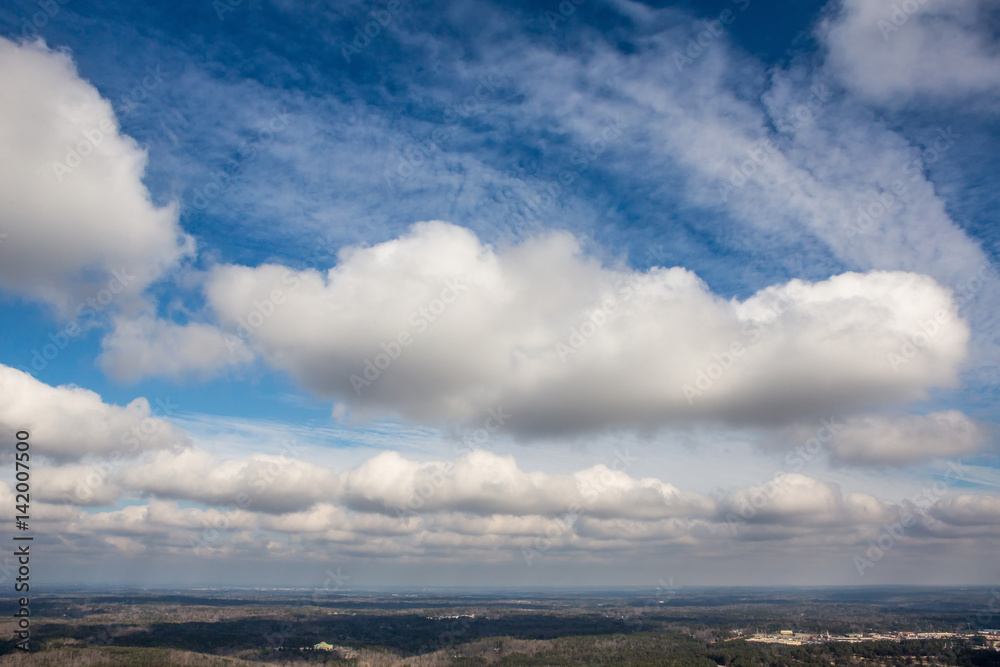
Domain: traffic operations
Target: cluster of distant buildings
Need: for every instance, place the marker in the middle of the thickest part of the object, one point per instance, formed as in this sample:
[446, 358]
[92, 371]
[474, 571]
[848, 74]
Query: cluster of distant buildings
[340, 652]
[793, 638]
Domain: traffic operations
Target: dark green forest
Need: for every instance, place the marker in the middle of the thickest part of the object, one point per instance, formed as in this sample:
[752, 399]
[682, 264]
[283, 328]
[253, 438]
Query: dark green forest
[694, 628]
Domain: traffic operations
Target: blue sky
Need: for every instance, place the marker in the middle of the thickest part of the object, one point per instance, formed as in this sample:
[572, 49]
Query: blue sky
[696, 230]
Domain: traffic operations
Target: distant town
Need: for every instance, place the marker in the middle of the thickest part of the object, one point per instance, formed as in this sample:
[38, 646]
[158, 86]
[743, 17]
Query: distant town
[792, 638]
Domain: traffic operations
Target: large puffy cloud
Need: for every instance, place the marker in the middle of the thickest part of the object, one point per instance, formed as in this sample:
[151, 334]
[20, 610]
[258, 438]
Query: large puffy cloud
[563, 345]
[71, 423]
[79, 221]
[880, 48]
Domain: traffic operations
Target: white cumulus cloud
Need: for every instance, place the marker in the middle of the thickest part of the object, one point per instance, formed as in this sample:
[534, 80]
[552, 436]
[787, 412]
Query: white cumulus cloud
[80, 223]
[436, 325]
[71, 423]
